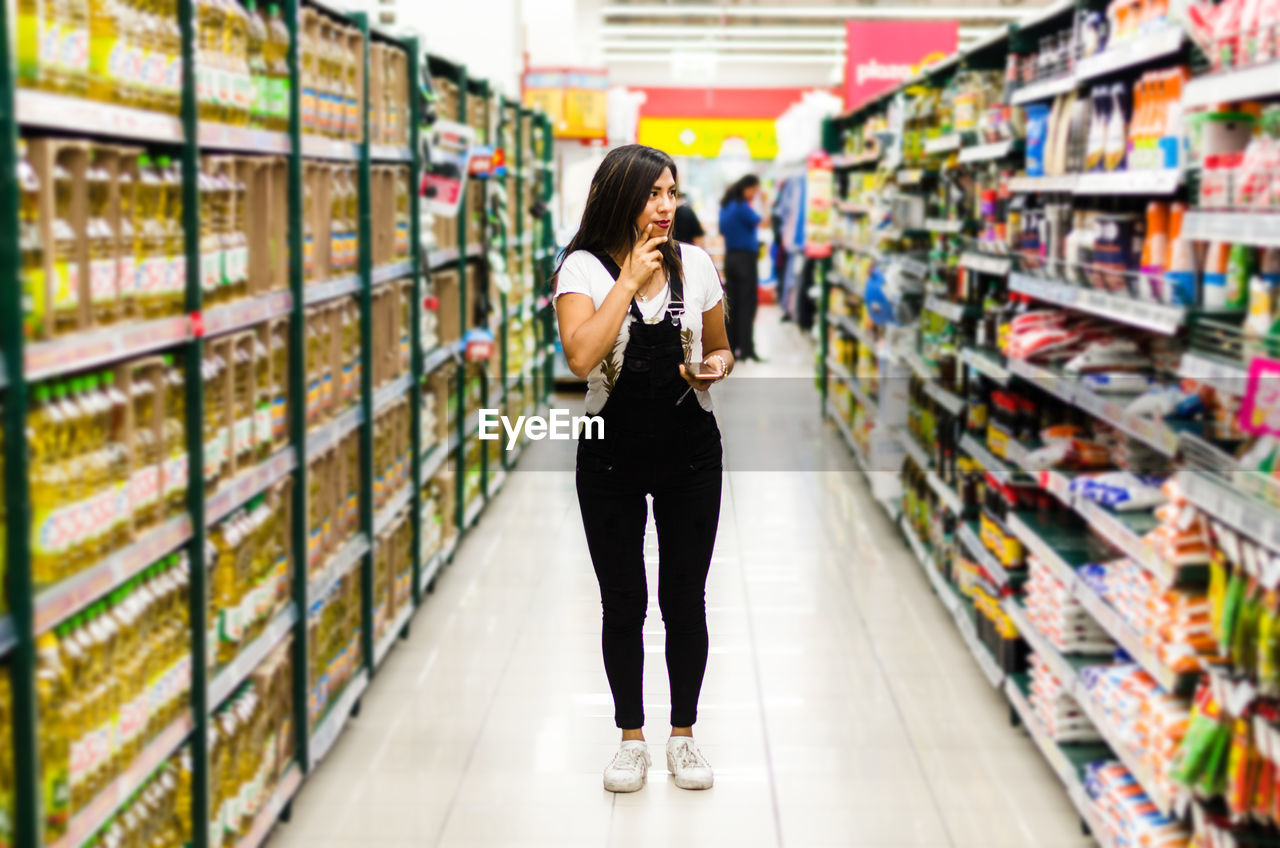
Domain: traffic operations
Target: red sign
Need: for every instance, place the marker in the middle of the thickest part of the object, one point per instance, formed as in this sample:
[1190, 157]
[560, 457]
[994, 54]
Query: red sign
[881, 54]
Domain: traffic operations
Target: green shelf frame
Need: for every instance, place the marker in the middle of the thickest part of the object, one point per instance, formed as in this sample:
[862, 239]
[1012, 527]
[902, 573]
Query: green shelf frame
[19, 627]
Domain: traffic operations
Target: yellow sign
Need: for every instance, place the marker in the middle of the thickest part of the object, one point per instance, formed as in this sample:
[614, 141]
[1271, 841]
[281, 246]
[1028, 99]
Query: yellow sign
[549, 100]
[705, 136]
[575, 101]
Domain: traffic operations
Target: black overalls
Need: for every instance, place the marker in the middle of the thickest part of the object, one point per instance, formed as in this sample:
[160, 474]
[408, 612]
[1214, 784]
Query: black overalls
[657, 443]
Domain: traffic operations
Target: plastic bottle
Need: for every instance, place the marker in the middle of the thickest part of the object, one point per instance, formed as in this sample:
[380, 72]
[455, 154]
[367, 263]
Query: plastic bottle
[1214, 286]
[46, 443]
[104, 293]
[351, 93]
[209, 40]
[66, 266]
[174, 482]
[210, 241]
[73, 46]
[259, 111]
[149, 239]
[142, 398]
[307, 61]
[236, 47]
[1242, 263]
[53, 698]
[33, 20]
[127, 250]
[175, 285]
[31, 247]
[236, 243]
[107, 50]
[1155, 249]
[277, 60]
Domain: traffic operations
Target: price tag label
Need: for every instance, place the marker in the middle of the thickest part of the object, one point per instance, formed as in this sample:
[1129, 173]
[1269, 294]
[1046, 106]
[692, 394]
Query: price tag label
[1260, 411]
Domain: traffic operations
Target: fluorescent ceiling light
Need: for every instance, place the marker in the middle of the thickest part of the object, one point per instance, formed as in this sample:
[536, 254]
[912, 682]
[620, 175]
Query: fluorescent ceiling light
[839, 12]
[689, 32]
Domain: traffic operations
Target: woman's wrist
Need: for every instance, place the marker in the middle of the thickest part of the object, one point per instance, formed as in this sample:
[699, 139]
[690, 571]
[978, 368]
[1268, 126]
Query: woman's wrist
[722, 365]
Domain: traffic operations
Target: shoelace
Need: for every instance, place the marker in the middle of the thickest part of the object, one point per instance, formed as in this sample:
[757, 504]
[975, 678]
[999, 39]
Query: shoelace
[628, 758]
[688, 756]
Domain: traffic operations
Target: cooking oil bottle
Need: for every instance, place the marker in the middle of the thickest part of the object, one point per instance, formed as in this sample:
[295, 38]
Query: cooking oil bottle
[73, 46]
[107, 45]
[307, 60]
[149, 239]
[118, 455]
[66, 267]
[126, 253]
[142, 398]
[208, 59]
[338, 226]
[277, 56]
[262, 436]
[242, 404]
[402, 213]
[30, 246]
[54, 694]
[34, 19]
[279, 400]
[236, 239]
[175, 287]
[104, 295]
[236, 54]
[44, 446]
[259, 113]
[210, 241]
[174, 478]
[352, 94]
[308, 236]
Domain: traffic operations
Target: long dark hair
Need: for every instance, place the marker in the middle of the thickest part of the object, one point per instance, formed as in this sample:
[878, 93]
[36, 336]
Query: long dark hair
[619, 192]
[738, 190]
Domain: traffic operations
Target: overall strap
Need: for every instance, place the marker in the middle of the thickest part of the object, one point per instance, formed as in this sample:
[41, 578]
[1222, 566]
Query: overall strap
[676, 284]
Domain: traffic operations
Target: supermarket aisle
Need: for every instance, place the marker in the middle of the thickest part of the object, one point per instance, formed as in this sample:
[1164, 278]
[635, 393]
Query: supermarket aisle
[840, 707]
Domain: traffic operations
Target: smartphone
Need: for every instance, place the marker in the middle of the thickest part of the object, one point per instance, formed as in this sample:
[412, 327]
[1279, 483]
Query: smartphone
[700, 370]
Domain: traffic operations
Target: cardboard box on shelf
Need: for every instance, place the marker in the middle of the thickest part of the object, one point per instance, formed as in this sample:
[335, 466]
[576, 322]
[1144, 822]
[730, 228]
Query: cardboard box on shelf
[64, 302]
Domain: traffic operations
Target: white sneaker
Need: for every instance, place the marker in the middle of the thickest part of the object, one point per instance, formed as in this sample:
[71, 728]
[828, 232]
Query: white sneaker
[630, 767]
[686, 763]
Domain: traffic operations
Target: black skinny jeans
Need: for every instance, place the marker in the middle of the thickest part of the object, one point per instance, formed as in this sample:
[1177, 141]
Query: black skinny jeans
[686, 510]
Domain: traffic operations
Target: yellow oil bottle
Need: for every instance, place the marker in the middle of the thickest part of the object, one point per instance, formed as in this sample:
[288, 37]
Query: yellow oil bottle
[402, 214]
[126, 252]
[104, 293]
[175, 276]
[142, 399]
[73, 46]
[30, 246]
[174, 477]
[66, 266]
[236, 53]
[259, 111]
[351, 93]
[149, 239]
[242, 405]
[46, 444]
[310, 82]
[308, 236]
[236, 238]
[171, 38]
[279, 398]
[108, 46]
[210, 240]
[53, 698]
[337, 225]
[118, 454]
[34, 23]
[264, 392]
[277, 60]
[208, 58]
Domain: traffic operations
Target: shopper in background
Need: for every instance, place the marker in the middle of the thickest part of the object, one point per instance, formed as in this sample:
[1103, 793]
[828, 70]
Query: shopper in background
[634, 307]
[738, 224]
[688, 228]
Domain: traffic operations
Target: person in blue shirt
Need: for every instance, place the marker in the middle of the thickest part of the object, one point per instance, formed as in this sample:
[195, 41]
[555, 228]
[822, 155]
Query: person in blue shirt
[738, 225]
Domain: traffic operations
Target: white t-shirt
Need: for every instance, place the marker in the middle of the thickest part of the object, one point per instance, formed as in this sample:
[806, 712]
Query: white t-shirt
[582, 273]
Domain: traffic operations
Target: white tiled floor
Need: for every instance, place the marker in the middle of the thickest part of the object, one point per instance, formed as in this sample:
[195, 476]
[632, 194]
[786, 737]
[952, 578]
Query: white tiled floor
[840, 708]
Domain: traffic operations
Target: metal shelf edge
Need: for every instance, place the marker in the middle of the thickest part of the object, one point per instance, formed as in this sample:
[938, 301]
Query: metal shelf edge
[224, 683]
[341, 562]
[249, 483]
[270, 813]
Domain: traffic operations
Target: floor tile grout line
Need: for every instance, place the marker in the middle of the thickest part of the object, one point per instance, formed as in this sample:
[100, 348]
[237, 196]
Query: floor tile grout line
[852, 597]
[755, 666]
[493, 696]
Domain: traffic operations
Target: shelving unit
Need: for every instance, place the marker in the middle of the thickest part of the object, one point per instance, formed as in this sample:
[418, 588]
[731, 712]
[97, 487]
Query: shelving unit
[971, 398]
[32, 611]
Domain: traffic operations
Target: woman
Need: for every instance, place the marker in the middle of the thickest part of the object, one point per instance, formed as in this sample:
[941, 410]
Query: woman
[634, 307]
[738, 224]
